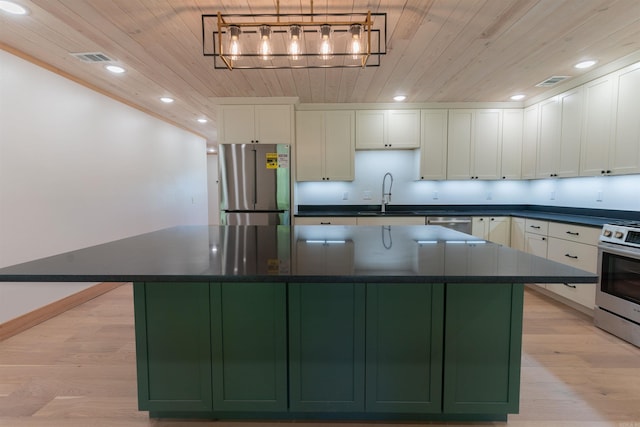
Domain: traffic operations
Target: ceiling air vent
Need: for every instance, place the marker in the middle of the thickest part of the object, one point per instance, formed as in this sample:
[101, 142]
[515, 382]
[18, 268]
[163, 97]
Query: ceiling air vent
[92, 57]
[553, 80]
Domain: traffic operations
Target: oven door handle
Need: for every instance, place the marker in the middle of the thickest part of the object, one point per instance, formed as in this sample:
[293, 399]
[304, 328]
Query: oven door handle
[619, 250]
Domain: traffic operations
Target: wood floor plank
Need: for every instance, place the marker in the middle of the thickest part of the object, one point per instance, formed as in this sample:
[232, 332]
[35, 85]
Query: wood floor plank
[78, 369]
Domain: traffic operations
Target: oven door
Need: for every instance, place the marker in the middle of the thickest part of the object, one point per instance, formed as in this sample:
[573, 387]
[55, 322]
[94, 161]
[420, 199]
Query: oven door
[619, 281]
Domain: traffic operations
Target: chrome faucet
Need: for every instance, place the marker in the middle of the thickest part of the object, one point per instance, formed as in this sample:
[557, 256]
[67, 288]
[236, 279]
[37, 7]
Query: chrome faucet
[386, 195]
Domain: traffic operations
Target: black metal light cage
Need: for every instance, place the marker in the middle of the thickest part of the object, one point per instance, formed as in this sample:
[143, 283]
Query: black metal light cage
[215, 28]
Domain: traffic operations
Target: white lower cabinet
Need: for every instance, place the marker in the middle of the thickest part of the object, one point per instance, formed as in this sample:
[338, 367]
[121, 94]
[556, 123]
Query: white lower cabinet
[325, 220]
[390, 220]
[496, 229]
[517, 233]
[568, 244]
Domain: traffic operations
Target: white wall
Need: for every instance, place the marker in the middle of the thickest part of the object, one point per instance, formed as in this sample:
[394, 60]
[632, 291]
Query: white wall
[78, 168]
[617, 192]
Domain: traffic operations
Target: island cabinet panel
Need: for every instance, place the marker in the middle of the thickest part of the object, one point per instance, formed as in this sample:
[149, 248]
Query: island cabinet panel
[249, 346]
[404, 347]
[173, 346]
[326, 347]
[483, 335]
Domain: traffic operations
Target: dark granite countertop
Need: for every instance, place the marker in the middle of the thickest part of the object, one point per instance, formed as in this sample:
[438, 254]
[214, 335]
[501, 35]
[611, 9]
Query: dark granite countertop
[580, 216]
[298, 254]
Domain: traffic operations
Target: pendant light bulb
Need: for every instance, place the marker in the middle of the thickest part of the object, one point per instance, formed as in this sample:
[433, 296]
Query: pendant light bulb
[264, 45]
[234, 42]
[355, 44]
[326, 43]
[295, 42]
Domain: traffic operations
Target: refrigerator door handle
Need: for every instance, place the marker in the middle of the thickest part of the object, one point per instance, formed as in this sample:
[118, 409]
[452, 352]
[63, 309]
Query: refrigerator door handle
[255, 178]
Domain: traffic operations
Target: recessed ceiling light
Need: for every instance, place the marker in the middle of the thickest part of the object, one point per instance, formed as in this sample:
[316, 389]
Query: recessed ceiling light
[202, 120]
[585, 64]
[166, 100]
[13, 8]
[399, 98]
[517, 97]
[115, 69]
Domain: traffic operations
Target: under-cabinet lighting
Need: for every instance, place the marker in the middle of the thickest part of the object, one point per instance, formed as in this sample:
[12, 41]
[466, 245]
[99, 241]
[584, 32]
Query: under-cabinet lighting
[426, 242]
[326, 242]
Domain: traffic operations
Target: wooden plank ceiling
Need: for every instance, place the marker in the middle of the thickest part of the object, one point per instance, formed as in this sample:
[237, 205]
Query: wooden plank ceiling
[438, 50]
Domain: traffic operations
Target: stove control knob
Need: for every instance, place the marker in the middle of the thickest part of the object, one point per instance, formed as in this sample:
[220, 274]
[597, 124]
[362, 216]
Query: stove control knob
[618, 235]
[607, 233]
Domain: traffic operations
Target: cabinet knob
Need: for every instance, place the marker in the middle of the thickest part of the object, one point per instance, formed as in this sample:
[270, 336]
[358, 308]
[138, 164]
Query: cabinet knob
[608, 171]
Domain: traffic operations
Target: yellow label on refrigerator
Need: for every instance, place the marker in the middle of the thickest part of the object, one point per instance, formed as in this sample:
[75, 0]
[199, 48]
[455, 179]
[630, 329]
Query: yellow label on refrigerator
[272, 160]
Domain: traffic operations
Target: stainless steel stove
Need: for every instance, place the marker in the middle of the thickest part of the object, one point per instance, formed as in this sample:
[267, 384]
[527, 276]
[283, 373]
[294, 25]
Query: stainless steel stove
[618, 294]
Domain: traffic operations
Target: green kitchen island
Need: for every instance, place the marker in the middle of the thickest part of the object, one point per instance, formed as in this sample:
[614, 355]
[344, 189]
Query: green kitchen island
[319, 322]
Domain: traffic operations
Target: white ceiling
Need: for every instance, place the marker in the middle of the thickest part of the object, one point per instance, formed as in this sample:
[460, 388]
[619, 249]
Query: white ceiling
[437, 50]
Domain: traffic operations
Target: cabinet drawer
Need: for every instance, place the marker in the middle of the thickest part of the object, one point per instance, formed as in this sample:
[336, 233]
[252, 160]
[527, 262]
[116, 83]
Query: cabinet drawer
[575, 233]
[582, 293]
[578, 255]
[326, 220]
[536, 227]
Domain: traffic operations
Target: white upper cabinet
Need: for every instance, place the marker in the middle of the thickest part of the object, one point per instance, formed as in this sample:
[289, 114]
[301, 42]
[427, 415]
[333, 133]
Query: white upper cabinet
[625, 149]
[530, 141]
[255, 124]
[433, 145]
[511, 144]
[475, 144]
[387, 129]
[548, 138]
[325, 146]
[559, 135]
[597, 126]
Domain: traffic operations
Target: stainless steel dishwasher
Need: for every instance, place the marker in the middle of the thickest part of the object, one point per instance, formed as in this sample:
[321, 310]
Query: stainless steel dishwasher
[458, 223]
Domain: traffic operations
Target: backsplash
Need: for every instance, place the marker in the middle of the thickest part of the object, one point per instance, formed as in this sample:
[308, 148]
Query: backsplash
[614, 192]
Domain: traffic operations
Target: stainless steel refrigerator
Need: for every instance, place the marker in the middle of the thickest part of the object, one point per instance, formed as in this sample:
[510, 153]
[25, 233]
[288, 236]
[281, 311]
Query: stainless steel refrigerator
[254, 184]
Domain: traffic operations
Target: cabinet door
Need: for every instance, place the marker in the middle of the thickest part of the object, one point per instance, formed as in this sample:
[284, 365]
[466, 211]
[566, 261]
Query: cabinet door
[483, 332]
[309, 145]
[625, 150]
[530, 141]
[571, 104]
[403, 129]
[236, 124]
[548, 139]
[249, 346]
[487, 144]
[371, 130]
[597, 125]
[517, 234]
[480, 227]
[173, 346]
[535, 244]
[512, 144]
[273, 124]
[433, 145]
[326, 347]
[459, 144]
[404, 347]
[339, 162]
[499, 230]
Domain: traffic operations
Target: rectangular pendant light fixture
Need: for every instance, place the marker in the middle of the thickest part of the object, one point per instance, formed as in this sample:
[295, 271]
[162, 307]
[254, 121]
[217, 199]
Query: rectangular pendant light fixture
[290, 41]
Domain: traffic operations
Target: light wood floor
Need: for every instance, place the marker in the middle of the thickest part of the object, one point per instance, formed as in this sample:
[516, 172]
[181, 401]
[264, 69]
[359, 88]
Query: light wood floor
[78, 369]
